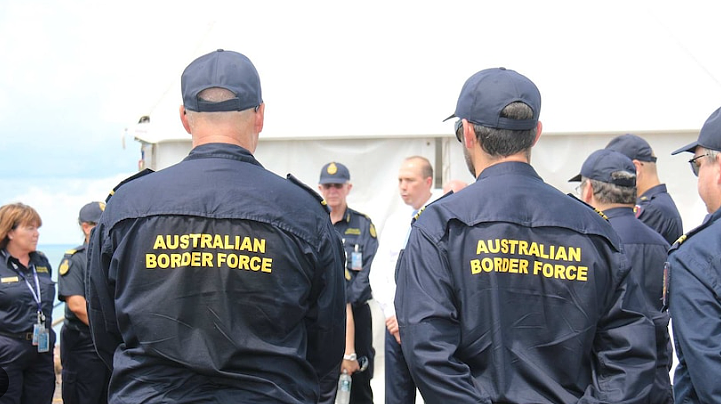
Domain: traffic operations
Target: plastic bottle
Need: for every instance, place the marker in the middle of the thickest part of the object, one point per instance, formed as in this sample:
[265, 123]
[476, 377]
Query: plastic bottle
[342, 396]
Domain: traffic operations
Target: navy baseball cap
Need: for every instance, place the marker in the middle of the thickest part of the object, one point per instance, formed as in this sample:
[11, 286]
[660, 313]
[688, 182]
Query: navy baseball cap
[225, 69]
[709, 137]
[334, 173]
[601, 165]
[634, 147]
[486, 93]
[91, 212]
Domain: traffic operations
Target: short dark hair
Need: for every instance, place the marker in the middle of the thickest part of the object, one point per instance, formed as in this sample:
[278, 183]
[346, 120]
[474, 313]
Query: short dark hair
[506, 142]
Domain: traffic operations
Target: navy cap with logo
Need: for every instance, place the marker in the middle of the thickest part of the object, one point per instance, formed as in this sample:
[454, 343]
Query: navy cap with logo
[224, 69]
[90, 213]
[634, 147]
[709, 137]
[334, 173]
[601, 166]
[485, 94]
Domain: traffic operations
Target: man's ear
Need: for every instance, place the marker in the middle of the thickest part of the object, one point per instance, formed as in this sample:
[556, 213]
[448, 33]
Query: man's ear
[184, 118]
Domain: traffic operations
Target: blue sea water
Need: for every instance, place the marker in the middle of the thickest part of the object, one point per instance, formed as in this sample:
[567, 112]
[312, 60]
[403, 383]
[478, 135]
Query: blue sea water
[55, 253]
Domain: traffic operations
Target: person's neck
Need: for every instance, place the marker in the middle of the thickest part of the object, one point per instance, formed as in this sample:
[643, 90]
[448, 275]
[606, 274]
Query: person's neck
[21, 255]
[644, 183]
[425, 201]
[337, 213]
[484, 161]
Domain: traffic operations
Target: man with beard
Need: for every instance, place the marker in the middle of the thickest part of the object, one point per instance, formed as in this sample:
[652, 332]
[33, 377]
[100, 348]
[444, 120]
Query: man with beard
[511, 291]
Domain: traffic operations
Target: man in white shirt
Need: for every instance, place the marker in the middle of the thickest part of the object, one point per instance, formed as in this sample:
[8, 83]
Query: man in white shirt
[415, 180]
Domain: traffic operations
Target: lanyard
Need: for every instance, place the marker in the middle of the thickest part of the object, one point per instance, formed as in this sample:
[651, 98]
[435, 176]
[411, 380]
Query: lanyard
[37, 296]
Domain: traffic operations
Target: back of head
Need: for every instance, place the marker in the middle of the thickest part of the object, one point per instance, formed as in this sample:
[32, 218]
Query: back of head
[612, 175]
[227, 70]
[90, 213]
[504, 107]
[634, 147]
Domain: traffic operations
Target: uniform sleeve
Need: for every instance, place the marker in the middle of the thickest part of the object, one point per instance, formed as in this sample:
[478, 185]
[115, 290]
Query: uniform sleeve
[666, 225]
[624, 359]
[429, 327]
[71, 277]
[100, 289]
[696, 314]
[326, 321]
[359, 291]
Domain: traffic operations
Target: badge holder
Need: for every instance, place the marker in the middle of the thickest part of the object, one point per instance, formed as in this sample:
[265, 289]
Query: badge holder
[41, 336]
[356, 259]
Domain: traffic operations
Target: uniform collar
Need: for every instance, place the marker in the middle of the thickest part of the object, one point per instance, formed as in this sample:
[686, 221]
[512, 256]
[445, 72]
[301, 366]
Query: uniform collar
[653, 191]
[509, 167]
[707, 221]
[618, 212]
[222, 150]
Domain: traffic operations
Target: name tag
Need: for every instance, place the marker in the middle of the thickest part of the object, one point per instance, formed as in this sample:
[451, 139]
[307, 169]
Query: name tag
[9, 279]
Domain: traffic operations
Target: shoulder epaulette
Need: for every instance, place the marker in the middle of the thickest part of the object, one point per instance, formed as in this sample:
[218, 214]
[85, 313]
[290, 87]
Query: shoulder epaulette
[71, 251]
[603, 215]
[310, 190]
[125, 181]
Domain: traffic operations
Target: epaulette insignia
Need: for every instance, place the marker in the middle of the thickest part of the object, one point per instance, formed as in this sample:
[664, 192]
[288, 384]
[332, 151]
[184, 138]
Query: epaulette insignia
[310, 190]
[64, 267]
[71, 251]
[603, 215]
[347, 275]
[681, 239]
[372, 231]
[418, 214]
[125, 181]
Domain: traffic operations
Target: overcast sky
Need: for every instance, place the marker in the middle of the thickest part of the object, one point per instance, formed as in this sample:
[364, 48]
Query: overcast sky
[74, 75]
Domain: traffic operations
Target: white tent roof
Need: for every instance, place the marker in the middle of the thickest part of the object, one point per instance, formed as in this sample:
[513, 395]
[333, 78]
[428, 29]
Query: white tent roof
[379, 68]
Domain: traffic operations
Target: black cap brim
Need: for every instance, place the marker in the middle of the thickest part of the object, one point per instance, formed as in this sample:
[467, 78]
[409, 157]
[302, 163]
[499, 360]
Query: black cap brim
[452, 116]
[688, 148]
[576, 178]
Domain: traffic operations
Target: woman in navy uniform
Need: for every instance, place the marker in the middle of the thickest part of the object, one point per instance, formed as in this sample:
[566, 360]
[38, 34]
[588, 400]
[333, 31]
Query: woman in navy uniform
[26, 303]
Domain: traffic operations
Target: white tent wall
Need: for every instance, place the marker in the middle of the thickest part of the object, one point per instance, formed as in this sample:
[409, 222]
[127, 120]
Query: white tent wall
[374, 162]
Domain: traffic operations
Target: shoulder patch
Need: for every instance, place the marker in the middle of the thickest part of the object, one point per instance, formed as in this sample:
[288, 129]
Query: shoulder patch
[372, 231]
[296, 181]
[127, 180]
[64, 267]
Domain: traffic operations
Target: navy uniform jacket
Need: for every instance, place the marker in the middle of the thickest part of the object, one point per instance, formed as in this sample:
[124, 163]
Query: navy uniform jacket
[694, 266]
[18, 308]
[215, 280]
[656, 208]
[71, 282]
[511, 292]
[647, 251]
[356, 229]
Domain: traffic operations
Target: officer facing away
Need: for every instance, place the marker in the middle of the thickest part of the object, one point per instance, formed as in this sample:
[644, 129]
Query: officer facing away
[85, 377]
[214, 280]
[694, 271]
[517, 294]
[654, 205]
[361, 243]
[608, 181]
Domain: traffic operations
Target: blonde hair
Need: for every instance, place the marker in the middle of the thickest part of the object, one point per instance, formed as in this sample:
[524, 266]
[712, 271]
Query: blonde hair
[14, 214]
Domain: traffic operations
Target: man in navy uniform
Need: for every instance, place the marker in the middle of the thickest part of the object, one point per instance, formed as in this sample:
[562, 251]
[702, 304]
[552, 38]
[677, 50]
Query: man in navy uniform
[654, 205]
[85, 376]
[608, 181]
[215, 280]
[361, 242]
[694, 271]
[510, 291]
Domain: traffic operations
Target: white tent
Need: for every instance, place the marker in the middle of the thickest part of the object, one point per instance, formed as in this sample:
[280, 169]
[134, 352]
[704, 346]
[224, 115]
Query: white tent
[368, 84]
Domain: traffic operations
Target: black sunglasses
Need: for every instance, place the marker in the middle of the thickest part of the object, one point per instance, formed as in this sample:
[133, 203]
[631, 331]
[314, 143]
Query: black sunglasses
[695, 166]
[459, 130]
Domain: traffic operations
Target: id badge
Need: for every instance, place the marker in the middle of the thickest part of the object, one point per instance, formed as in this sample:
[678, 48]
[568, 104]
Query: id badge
[43, 340]
[36, 333]
[356, 260]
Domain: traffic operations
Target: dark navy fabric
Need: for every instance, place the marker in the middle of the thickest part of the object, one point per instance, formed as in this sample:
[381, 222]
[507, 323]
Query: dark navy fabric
[397, 374]
[511, 292]
[647, 251]
[31, 374]
[85, 377]
[357, 229]
[71, 282]
[215, 280]
[694, 270]
[657, 209]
